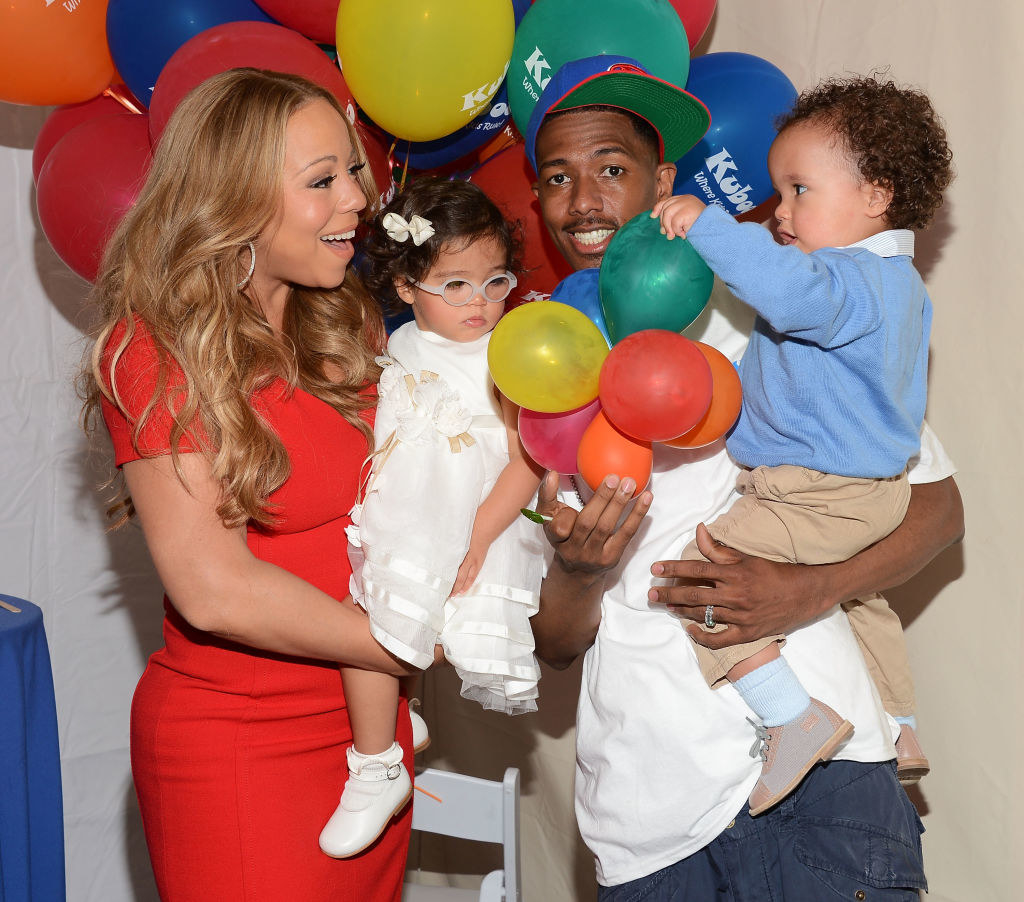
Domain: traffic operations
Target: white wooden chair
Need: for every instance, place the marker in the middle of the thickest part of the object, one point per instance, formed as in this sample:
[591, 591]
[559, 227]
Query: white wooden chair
[470, 808]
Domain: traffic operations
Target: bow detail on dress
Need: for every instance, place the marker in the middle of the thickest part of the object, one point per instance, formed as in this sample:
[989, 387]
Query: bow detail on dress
[417, 228]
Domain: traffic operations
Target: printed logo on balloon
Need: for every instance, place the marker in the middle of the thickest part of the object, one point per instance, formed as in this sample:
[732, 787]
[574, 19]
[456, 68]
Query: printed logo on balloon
[745, 96]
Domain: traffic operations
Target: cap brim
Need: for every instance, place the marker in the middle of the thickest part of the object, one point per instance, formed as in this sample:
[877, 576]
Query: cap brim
[679, 117]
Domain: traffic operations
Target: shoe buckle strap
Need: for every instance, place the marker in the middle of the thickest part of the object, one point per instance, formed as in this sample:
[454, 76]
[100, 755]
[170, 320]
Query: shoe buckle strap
[378, 771]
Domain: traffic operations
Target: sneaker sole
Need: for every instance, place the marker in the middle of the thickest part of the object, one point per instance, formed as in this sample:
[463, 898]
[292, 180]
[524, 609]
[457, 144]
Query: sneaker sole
[911, 772]
[363, 848]
[842, 733]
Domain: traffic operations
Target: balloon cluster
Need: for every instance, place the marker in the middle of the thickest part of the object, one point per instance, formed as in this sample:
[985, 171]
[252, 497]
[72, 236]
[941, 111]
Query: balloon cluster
[435, 86]
[593, 410]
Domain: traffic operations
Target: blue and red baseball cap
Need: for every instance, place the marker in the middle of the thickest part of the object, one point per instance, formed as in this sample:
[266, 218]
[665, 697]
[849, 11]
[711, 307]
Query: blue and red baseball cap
[678, 117]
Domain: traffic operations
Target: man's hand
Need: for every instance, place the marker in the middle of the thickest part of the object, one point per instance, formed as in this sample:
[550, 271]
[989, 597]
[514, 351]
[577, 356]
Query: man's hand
[677, 214]
[591, 540]
[587, 544]
[752, 596]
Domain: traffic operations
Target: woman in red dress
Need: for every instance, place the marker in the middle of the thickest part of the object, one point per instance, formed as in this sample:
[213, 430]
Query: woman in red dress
[232, 370]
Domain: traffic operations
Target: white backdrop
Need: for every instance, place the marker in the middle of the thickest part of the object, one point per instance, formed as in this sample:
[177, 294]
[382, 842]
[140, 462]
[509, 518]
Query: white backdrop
[102, 603]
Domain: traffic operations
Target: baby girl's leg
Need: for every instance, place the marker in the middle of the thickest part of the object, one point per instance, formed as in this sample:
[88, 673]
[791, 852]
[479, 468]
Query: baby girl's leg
[378, 785]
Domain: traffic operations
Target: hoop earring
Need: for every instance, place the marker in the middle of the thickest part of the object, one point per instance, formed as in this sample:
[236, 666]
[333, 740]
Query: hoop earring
[252, 266]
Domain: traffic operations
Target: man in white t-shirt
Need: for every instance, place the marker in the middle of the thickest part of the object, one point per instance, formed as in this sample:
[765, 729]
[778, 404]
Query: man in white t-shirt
[663, 770]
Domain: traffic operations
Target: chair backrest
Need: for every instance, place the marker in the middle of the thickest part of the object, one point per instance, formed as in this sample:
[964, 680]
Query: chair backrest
[471, 808]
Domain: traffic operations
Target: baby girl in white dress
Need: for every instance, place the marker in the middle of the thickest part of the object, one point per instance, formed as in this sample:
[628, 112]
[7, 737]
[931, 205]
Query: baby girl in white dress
[440, 553]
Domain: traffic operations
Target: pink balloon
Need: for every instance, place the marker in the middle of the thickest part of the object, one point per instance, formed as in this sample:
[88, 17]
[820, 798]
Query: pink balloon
[89, 181]
[233, 44]
[552, 439]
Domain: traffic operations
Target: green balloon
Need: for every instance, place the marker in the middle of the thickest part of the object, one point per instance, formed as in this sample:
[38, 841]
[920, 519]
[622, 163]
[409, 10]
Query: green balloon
[553, 32]
[649, 282]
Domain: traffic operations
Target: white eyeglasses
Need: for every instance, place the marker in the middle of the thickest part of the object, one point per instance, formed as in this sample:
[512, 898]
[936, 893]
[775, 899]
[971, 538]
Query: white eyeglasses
[459, 292]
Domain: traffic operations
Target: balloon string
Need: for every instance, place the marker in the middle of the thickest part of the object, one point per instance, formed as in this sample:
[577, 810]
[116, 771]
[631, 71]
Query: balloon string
[122, 98]
[405, 165]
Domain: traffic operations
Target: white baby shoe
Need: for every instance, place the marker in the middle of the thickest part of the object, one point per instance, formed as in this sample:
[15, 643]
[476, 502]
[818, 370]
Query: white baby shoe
[378, 788]
[420, 733]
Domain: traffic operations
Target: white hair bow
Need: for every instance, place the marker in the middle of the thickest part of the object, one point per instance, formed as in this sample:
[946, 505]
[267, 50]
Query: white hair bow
[417, 228]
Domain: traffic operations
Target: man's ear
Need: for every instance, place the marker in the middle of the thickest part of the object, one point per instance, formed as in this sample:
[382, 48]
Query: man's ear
[404, 290]
[879, 197]
[664, 176]
[535, 188]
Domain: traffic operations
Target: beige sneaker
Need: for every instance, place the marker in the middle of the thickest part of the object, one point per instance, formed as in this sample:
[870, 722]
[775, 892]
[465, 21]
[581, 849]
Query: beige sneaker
[911, 764]
[789, 751]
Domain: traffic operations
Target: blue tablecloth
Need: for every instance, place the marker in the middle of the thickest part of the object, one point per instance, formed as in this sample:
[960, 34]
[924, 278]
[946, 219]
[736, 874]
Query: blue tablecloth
[31, 807]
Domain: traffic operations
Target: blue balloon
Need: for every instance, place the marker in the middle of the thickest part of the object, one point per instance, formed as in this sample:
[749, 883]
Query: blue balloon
[745, 95]
[580, 290]
[431, 154]
[519, 8]
[143, 34]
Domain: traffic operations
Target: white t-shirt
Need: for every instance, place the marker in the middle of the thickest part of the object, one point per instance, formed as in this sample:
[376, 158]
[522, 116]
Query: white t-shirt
[662, 761]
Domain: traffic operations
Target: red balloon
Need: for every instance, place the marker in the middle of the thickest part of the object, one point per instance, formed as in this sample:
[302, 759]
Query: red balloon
[53, 52]
[89, 181]
[726, 401]
[552, 439]
[316, 19]
[65, 118]
[507, 179]
[655, 385]
[696, 16]
[234, 44]
[604, 449]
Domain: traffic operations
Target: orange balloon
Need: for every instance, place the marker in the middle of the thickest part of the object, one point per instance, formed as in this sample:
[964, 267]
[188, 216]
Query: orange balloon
[726, 401]
[603, 450]
[53, 53]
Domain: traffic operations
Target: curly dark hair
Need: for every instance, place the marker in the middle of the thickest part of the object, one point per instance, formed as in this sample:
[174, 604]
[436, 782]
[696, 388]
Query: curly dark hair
[892, 133]
[460, 213]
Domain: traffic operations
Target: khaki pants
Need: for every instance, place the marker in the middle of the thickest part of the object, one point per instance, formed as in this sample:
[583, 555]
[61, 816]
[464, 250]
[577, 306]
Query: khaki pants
[794, 514]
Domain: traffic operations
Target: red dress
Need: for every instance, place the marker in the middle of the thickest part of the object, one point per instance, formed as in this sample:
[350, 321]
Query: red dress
[238, 755]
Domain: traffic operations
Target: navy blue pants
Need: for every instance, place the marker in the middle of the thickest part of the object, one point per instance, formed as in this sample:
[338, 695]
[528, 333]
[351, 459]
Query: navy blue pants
[848, 832]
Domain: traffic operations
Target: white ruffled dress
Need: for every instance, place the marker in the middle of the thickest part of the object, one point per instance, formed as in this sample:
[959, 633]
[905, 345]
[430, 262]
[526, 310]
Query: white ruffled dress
[441, 444]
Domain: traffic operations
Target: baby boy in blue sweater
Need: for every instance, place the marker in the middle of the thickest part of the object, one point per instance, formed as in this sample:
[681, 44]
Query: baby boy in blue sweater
[834, 383]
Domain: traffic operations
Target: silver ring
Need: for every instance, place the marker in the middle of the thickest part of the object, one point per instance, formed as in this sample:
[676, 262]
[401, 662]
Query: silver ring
[709, 617]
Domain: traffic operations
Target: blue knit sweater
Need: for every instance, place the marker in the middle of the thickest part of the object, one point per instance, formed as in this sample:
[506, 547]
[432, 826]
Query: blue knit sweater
[835, 375]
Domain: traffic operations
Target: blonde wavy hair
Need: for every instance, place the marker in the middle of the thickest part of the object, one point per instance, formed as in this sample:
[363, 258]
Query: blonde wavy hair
[175, 264]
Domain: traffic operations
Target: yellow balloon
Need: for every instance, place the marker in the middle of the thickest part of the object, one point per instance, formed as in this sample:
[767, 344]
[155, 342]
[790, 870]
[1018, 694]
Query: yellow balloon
[422, 69]
[547, 356]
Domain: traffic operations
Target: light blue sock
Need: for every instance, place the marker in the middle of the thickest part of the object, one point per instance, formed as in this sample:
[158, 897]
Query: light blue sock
[909, 720]
[774, 693]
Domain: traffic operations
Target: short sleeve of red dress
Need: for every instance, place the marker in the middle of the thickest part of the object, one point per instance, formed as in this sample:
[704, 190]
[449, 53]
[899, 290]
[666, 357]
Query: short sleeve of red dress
[134, 377]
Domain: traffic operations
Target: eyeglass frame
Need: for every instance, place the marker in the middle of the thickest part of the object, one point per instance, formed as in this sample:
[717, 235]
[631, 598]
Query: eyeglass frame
[438, 290]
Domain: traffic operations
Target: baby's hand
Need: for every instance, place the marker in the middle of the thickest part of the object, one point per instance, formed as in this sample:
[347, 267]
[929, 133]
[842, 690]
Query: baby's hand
[678, 214]
[468, 570]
